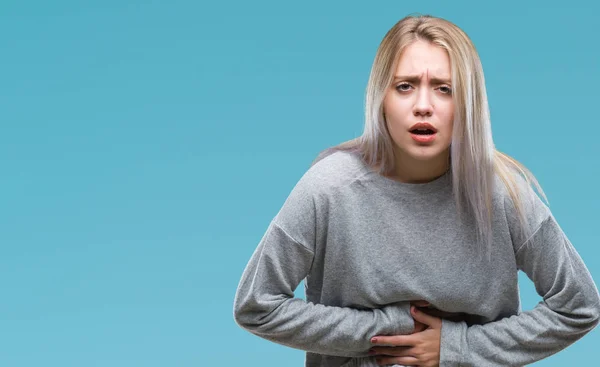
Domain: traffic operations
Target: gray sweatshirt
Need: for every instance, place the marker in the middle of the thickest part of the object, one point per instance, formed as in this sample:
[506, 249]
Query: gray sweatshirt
[367, 245]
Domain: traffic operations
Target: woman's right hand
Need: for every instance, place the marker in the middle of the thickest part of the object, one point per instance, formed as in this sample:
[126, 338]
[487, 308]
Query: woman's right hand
[427, 308]
[419, 326]
[420, 303]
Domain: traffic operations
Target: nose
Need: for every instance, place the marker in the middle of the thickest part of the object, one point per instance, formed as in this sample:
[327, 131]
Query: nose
[423, 106]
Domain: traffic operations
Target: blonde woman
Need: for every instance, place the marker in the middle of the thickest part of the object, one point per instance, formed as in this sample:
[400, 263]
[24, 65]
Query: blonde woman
[410, 237]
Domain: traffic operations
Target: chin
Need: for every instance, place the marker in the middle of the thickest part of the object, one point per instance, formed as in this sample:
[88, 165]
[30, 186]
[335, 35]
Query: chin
[425, 154]
[424, 158]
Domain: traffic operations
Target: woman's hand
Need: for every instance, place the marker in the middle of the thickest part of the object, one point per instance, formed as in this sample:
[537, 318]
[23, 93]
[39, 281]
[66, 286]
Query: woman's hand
[420, 303]
[420, 349]
[418, 325]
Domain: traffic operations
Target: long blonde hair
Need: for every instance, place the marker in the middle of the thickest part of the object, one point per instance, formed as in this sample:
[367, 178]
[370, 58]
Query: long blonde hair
[474, 158]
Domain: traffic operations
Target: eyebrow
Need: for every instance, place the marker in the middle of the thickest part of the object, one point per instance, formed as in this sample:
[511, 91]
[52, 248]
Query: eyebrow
[416, 78]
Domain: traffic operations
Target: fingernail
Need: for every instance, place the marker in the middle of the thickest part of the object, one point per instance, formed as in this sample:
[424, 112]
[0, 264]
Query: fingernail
[371, 351]
[373, 340]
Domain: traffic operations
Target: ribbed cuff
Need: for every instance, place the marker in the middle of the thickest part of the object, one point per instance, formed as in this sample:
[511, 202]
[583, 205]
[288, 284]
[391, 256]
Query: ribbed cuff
[453, 337]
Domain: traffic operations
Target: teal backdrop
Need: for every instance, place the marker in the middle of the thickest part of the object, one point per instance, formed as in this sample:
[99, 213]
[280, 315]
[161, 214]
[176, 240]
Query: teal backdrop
[146, 145]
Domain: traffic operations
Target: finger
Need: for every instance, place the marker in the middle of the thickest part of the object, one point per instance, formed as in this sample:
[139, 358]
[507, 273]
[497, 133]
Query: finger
[389, 361]
[426, 319]
[394, 340]
[421, 303]
[391, 351]
[419, 326]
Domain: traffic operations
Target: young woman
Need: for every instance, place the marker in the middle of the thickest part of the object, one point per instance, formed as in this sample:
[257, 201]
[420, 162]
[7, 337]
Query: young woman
[410, 237]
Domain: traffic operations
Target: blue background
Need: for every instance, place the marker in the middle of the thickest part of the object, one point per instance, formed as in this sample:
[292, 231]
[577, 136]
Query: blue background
[146, 145]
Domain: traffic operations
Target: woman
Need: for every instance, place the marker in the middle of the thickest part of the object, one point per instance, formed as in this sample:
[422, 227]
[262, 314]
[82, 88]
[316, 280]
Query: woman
[410, 237]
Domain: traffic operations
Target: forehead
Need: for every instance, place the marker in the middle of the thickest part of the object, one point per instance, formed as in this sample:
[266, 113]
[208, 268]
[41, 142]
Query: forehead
[424, 57]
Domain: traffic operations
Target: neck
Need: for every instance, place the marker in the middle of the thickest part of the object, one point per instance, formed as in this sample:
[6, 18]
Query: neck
[410, 170]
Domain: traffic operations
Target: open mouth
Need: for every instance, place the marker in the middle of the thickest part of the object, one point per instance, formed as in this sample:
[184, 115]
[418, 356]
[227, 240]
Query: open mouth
[423, 131]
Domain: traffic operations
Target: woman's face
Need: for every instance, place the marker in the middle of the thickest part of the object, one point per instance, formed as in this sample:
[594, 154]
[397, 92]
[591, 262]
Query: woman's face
[421, 93]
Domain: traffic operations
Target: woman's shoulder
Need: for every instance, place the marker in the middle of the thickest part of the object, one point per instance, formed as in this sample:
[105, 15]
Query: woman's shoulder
[514, 185]
[514, 193]
[334, 170]
[310, 197]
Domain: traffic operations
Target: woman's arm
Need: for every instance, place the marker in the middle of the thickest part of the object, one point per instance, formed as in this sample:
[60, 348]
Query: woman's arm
[570, 309]
[264, 302]
[265, 305]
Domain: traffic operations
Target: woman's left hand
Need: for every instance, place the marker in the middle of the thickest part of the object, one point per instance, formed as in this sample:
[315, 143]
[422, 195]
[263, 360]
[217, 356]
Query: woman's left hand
[420, 349]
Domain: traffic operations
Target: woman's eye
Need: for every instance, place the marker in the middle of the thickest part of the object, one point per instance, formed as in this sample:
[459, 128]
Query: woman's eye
[445, 90]
[403, 87]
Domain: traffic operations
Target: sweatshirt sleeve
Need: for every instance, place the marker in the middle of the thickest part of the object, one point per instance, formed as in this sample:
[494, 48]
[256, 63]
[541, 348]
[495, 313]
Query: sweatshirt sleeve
[570, 307]
[264, 302]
